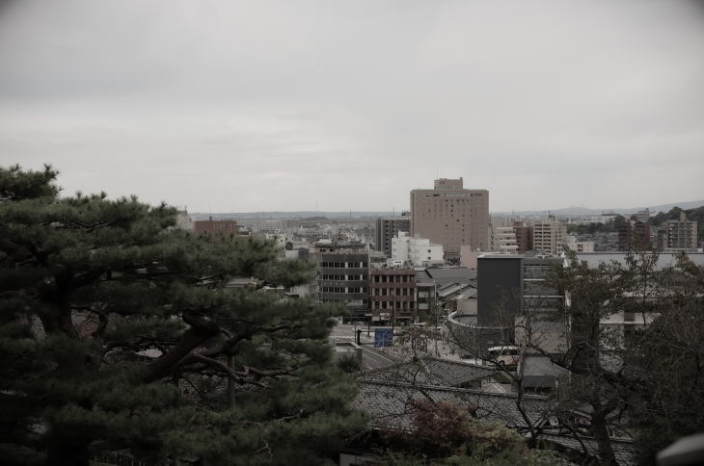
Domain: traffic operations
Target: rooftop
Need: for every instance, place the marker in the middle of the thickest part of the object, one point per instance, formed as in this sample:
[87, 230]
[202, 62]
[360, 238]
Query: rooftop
[665, 259]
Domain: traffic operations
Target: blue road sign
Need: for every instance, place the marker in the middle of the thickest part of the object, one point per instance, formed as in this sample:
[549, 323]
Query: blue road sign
[383, 337]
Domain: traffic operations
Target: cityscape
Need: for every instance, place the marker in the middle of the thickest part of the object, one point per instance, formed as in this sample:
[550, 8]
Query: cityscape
[351, 233]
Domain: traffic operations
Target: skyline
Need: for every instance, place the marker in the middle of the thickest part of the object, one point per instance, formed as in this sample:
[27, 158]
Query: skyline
[266, 106]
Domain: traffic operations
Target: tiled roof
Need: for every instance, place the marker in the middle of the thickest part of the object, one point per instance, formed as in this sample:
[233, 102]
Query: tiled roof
[390, 406]
[431, 371]
[624, 449]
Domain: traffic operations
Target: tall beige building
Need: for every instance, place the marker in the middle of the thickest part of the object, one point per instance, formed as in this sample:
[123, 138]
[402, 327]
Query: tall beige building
[451, 215]
[550, 236]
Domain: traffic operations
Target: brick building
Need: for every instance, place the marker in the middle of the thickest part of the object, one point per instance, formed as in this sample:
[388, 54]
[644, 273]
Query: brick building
[634, 235]
[524, 237]
[392, 295]
[210, 226]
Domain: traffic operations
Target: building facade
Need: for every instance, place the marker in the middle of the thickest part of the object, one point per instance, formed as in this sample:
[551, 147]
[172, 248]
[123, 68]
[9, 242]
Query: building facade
[549, 236]
[524, 237]
[575, 244]
[344, 278]
[503, 239]
[677, 235]
[451, 216]
[633, 234]
[386, 229]
[211, 227]
[513, 294]
[415, 251]
[392, 295]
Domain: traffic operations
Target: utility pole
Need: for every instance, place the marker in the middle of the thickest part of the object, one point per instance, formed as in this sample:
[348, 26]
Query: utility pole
[435, 305]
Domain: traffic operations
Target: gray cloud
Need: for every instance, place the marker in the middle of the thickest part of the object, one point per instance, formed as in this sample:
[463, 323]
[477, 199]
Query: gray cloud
[274, 105]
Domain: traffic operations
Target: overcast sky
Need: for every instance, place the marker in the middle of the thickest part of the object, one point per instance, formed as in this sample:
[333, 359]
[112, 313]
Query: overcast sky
[338, 105]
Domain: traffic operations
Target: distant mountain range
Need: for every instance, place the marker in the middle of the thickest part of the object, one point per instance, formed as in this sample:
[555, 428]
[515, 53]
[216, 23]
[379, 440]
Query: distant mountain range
[564, 212]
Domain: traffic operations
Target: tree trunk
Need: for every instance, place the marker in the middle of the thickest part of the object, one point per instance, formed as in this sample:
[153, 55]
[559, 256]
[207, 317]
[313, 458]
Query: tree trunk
[601, 435]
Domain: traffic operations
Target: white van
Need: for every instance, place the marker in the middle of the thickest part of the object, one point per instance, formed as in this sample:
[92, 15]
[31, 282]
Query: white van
[507, 356]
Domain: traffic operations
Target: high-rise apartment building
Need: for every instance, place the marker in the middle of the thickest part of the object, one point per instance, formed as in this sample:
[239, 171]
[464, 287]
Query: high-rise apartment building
[549, 236]
[633, 234]
[643, 216]
[386, 229]
[677, 235]
[451, 215]
[524, 237]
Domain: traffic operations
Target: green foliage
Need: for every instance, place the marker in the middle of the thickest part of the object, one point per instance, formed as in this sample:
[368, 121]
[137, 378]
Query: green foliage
[590, 228]
[669, 400]
[117, 332]
[650, 369]
[349, 364]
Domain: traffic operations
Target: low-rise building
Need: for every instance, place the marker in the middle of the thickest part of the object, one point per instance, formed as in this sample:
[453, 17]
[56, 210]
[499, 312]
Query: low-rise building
[415, 251]
[574, 244]
[392, 295]
[213, 227]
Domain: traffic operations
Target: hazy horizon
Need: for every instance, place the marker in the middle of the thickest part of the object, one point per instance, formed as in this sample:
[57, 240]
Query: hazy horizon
[332, 106]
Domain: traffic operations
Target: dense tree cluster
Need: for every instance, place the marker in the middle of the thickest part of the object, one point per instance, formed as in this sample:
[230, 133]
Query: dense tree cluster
[118, 333]
[643, 378]
[610, 226]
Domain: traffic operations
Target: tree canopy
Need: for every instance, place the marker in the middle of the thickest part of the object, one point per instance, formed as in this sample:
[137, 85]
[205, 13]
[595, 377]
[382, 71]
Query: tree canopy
[118, 333]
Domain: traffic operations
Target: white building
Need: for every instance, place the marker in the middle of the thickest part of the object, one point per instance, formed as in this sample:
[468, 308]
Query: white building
[503, 239]
[579, 246]
[415, 250]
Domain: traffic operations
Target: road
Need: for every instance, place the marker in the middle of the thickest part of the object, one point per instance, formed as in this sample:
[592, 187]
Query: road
[372, 358]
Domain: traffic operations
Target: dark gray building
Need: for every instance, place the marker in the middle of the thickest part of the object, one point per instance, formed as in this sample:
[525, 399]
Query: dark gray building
[512, 293]
[387, 228]
[344, 278]
[498, 289]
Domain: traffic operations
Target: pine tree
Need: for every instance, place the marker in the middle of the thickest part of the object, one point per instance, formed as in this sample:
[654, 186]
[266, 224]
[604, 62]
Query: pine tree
[117, 333]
